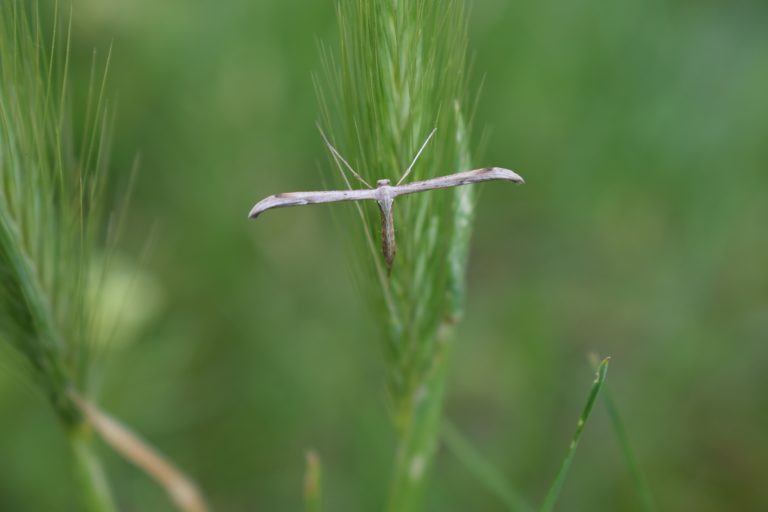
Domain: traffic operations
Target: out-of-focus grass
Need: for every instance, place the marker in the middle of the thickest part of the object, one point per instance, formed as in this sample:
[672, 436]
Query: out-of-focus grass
[640, 130]
[51, 185]
[557, 485]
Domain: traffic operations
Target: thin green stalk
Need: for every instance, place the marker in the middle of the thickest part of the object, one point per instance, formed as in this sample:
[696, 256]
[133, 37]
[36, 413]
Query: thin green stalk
[483, 470]
[180, 488]
[313, 484]
[418, 436]
[96, 496]
[557, 485]
[638, 477]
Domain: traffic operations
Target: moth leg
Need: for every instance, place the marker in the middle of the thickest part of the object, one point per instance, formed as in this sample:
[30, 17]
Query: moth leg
[408, 171]
[337, 155]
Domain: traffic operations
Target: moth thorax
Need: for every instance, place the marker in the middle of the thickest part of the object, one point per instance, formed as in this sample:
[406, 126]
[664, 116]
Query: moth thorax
[382, 183]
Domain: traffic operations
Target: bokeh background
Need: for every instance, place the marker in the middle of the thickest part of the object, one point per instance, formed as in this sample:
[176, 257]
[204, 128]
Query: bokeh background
[641, 128]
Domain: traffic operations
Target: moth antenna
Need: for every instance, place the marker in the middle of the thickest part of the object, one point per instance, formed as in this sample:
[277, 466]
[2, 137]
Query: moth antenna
[408, 171]
[338, 155]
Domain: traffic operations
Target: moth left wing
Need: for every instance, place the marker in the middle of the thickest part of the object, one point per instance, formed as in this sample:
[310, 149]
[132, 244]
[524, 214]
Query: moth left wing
[458, 179]
[302, 198]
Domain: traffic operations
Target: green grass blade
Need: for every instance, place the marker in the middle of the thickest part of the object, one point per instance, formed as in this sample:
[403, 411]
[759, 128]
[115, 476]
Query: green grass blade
[557, 485]
[482, 469]
[641, 484]
[313, 483]
[96, 494]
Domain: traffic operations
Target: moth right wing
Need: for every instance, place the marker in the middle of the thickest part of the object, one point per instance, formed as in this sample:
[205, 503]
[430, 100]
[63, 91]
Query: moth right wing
[458, 179]
[302, 198]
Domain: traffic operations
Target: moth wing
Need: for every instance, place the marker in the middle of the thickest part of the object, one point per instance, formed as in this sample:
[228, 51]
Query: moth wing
[302, 198]
[458, 179]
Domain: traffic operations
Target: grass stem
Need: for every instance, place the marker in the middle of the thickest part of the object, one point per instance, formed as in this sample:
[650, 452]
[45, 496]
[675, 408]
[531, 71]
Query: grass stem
[313, 483]
[557, 485]
[483, 470]
[96, 495]
[182, 491]
[638, 477]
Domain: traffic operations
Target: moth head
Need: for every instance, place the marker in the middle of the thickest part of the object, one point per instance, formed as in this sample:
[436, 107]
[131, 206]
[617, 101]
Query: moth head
[382, 183]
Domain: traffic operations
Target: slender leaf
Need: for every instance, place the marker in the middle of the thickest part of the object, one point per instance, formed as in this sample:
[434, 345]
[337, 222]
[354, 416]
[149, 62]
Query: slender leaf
[557, 485]
[313, 483]
[483, 469]
[638, 477]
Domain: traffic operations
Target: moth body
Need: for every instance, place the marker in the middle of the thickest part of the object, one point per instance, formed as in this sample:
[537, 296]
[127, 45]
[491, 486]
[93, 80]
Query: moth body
[386, 200]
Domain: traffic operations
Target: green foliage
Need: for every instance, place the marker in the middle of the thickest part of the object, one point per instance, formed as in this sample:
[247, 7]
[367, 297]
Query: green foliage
[638, 476]
[557, 484]
[486, 473]
[640, 128]
[50, 202]
[313, 484]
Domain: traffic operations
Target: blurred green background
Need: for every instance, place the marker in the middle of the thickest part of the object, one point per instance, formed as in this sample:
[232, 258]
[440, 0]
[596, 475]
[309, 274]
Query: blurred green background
[641, 128]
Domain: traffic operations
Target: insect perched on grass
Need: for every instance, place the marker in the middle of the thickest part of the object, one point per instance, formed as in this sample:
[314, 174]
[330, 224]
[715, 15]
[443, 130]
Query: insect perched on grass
[384, 193]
